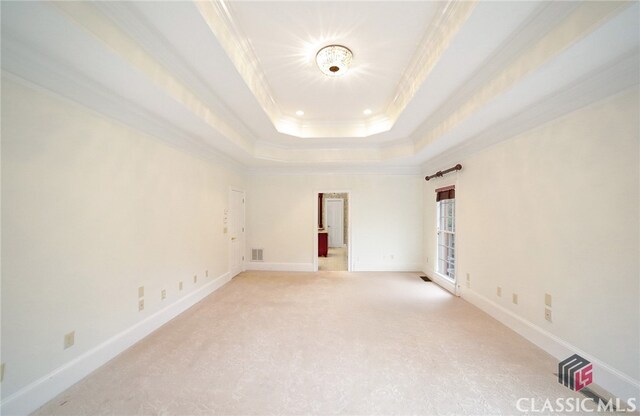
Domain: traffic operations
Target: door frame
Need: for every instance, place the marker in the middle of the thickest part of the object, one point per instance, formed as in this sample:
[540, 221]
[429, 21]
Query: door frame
[228, 234]
[349, 226]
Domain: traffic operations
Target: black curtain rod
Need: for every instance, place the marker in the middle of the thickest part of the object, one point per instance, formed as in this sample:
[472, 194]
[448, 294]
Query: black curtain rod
[443, 172]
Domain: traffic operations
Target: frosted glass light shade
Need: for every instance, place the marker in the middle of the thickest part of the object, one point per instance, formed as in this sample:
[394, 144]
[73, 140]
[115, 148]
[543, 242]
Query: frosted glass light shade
[334, 60]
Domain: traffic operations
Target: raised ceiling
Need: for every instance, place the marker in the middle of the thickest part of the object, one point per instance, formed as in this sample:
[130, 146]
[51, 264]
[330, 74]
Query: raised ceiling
[442, 79]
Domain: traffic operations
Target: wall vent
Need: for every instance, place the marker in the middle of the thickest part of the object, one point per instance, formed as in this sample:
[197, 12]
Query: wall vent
[256, 254]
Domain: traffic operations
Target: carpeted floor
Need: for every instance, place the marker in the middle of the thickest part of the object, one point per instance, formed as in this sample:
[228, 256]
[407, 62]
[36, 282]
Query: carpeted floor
[336, 260]
[323, 344]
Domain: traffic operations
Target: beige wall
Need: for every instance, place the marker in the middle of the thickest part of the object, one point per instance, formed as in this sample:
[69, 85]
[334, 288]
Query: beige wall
[385, 226]
[555, 210]
[90, 211]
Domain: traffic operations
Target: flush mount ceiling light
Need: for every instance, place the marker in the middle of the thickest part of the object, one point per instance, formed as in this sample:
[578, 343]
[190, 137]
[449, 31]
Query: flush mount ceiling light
[334, 60]
[299, 113]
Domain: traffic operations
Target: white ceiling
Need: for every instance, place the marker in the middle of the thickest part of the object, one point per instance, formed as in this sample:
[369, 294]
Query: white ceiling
[443, 79]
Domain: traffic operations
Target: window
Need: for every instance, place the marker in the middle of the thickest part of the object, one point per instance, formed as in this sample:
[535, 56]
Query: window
[447, 234]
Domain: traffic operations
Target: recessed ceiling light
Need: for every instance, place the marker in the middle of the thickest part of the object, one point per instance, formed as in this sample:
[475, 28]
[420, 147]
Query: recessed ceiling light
[299, 113]
[334, 60]
[367, 112]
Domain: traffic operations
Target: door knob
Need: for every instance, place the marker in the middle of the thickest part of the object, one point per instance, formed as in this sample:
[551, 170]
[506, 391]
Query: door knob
[233, 238]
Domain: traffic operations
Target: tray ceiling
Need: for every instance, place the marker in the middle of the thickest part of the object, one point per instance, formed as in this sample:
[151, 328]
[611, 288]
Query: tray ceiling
[226, 78]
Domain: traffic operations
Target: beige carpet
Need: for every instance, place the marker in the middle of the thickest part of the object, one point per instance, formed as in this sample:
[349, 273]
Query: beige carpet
[323, 344]
[336, 260]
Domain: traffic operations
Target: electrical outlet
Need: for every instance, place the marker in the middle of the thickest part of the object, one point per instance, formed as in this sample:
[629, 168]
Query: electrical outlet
[206, 273]
[547, 299]
[163, 294]
[140, 291]
[427, 260]
[140, 305]
[180, 285]
[69, 339]
[547, 314]
[1, 372]
[499, 291]
[468, 277]
[514, 298]
[195, 278]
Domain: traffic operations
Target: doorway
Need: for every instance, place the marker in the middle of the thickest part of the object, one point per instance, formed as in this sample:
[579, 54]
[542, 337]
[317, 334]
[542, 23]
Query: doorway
[236, 231]
[333, 246]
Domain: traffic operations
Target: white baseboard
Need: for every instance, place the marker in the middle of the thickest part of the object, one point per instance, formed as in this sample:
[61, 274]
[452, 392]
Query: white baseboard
[279, 267]
[386, 267]
[308, 267]
[442, 282]
[36, 394]
[606, 377]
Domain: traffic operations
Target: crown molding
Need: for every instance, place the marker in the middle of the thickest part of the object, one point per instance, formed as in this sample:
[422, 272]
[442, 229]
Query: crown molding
[449, 18]
[34, 69]
[543, 19]
[218, 18]
[35, 64]
[599, 85]
[131, 20]
[328, 170]
[370, 154]
[87, 16]
[581, 21]
[446, 23]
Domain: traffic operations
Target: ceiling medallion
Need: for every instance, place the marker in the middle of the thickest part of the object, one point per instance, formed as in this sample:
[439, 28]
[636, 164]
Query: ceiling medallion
[334, 60]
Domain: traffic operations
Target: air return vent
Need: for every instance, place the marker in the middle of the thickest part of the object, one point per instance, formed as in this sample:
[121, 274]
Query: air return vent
[256, 254]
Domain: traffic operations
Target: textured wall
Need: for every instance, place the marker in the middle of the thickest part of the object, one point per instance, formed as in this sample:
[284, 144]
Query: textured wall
[90, 211]
[555, 210]
[385, 228]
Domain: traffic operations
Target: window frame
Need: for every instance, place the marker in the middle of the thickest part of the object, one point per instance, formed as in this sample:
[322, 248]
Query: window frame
[446, 239]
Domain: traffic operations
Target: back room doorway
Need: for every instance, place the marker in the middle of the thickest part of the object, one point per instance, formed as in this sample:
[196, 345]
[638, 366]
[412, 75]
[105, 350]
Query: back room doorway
[333, 245]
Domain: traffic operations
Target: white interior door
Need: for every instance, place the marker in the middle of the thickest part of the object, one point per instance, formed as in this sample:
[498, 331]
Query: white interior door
[236, 231]
[335, 222]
